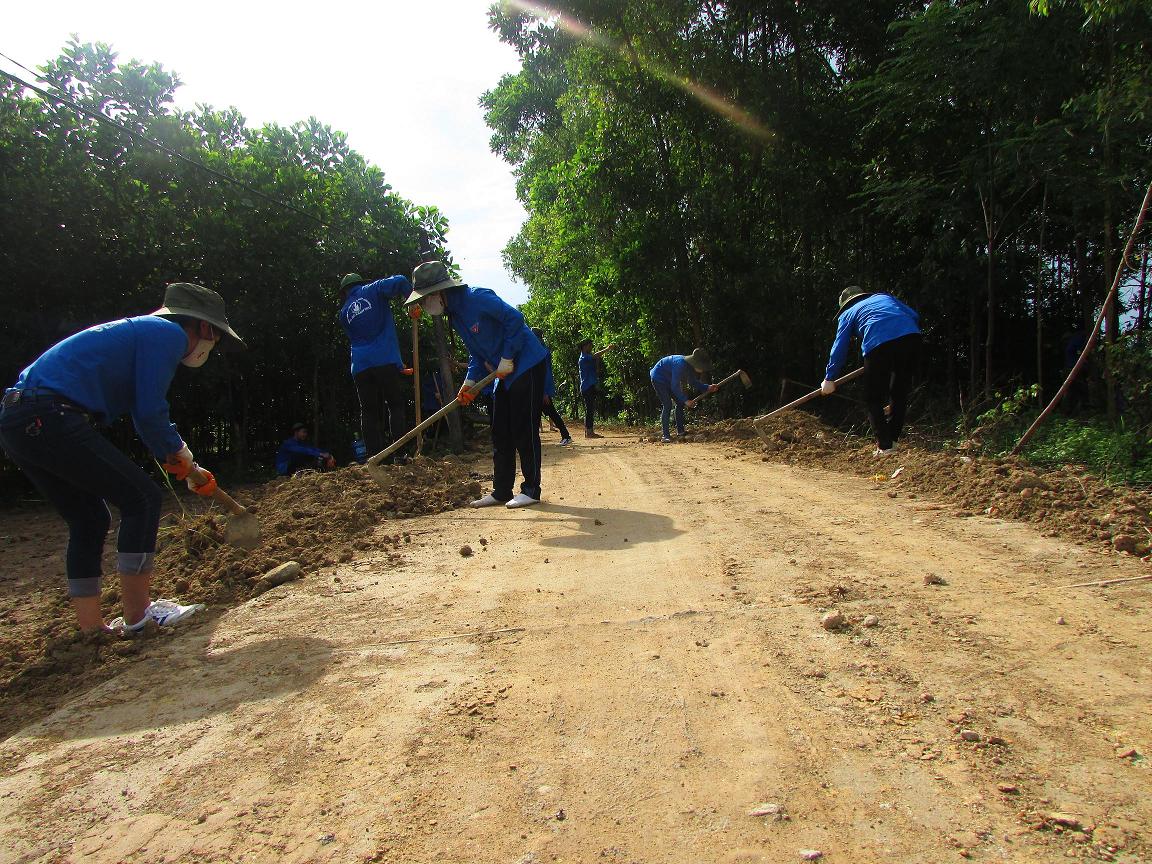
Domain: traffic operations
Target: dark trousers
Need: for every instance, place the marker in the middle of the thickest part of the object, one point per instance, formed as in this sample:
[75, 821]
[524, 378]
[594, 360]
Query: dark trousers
[516, 431]
[382, 402]
[589, 397]
[549, 411]
[78, 470]
[888, 372]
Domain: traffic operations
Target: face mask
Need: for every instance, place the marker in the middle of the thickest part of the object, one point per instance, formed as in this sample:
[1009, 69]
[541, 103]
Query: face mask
[198, 355]
[433, 304]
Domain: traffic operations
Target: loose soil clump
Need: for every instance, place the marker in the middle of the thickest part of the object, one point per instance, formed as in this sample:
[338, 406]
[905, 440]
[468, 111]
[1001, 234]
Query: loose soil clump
[1068, 501]
[315, 519]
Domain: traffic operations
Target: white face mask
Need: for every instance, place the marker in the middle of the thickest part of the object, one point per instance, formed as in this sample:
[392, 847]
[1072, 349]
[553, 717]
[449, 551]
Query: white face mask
[198, 355]
[433, 304]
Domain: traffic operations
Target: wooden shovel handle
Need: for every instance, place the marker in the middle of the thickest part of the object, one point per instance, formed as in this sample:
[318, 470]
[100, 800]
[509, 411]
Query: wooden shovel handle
[219, 495]
[851, 376]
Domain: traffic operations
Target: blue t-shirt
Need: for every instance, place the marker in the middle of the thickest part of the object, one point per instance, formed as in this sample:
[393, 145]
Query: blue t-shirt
[366, 317]
[122, 367]
[588, 376]
[674, 371]
[492, 330]
[292, 447]
[877, 319]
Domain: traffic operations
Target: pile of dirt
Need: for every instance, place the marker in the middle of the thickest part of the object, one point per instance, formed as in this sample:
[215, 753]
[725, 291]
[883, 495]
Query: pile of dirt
[1068, 501]
[315, 519]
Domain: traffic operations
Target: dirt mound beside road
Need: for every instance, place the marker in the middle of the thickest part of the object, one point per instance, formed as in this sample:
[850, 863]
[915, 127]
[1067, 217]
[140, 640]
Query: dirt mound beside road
[1068, 501]
[315, 519]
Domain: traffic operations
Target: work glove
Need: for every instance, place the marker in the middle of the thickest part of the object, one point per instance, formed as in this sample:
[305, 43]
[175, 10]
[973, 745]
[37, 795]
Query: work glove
[712, 388]
[407, 370]
[329, 461]
[466, 396]
[415, 311]
[180, 463]
[827, 388]
[505, 368]
[207, 482]
[691, 403]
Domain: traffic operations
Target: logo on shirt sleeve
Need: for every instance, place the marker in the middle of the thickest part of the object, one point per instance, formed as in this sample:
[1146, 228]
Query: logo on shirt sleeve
[475, 328]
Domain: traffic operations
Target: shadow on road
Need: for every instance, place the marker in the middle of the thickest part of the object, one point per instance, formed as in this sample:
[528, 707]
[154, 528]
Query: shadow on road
[606, 528]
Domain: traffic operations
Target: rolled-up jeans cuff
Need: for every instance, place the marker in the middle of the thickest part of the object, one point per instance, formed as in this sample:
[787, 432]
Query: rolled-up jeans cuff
[89, 587]
[134, 563]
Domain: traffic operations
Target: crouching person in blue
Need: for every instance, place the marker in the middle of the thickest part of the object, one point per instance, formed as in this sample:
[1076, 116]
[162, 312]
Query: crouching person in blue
[498, 341]
[296, 454]
[890, 341]
[47, 427]
[669, 376]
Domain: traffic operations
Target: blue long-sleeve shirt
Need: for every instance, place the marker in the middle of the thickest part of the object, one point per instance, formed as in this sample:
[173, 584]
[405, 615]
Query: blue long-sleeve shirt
[876, 319]
[491, 330]
[122, 367]
[588, 371]
[366, 317]
[675, 371]
[292, 447]
[549, 378]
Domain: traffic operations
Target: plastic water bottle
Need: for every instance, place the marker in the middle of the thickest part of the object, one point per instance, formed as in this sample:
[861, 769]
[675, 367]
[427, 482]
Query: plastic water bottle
[360, 450]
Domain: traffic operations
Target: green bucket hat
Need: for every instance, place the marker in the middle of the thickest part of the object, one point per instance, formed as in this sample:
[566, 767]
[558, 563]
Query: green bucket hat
[428, 278]
[351, 280]
[699, 360]
[852, 292]
[196, 301]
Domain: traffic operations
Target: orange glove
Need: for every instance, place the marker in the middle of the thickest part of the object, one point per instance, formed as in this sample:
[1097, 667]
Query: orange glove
[208, 487]
[414, 311]
[179, 464]
[466, 396]
[407, 370]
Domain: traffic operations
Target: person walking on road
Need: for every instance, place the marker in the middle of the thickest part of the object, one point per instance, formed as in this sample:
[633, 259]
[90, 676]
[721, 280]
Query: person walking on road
[498, 341]
[669, 376]
[590, 366]
[549, 409]
[47, 427]
[890, 340]
[377, 370]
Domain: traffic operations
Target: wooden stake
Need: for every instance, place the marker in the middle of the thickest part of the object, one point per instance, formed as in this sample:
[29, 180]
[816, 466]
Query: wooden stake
[1108, 582]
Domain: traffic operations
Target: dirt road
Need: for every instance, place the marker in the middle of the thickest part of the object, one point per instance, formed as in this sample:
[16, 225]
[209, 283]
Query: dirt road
[625, 674]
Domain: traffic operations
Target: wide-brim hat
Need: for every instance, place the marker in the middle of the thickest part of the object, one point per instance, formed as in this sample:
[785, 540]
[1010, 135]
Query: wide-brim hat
[204, 304]
[428, 278]
[584, 342]
[852, 292]
[699, 360]
[351, 280]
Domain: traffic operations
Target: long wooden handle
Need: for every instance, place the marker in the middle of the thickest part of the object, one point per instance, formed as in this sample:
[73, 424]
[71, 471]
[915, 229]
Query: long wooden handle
[219, 494]
[432, 418]
[416, 373]
[721, 383]
[851, 376]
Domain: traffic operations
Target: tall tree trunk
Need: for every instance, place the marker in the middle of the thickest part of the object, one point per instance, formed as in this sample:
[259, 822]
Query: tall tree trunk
[1112, 319]
[1040, 298]
[455, 429]
[1141, 319]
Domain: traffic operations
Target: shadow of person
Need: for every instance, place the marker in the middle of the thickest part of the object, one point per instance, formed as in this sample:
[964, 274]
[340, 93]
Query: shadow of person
[606, 528]
[184, 683]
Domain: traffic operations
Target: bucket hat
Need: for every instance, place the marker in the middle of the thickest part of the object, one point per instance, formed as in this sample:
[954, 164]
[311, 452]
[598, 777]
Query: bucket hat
[428, 278]
[852, 292]
[699, 360]
[351, 280]
[204, 304]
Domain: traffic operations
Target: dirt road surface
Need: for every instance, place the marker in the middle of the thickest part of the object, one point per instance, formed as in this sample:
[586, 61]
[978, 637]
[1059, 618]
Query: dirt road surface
[635, 671]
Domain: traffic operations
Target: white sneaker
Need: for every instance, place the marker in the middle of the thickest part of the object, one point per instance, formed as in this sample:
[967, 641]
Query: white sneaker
[165, 613]
[521, 500]
[879, 454]
[486, 501]
[564, 442]
[665, 440]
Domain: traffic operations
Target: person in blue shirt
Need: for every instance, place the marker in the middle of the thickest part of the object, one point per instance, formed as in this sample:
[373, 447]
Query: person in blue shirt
[669, 376]
[296, 454]
[377, 370]
[549, 409]
[47, 427]
[890, 341]
[498, 341]
[589, 364]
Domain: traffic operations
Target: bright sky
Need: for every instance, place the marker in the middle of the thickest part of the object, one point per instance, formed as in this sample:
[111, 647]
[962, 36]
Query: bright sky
[402, 79]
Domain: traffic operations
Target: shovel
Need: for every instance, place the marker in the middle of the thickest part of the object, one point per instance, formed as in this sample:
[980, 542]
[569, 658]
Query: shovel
[241, 528]
[377, 473]
[757, 423]
[739, 373]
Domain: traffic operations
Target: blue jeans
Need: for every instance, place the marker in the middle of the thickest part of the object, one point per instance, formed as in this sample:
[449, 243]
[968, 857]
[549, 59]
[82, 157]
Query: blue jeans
[78, 471]
[667, 400]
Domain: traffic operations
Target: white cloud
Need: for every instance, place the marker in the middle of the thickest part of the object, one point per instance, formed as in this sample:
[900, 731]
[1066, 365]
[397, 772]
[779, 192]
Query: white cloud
[402, 79]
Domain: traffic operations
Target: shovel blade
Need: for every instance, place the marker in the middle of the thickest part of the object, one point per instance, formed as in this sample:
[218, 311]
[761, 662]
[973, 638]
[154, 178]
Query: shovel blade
[242, 530]
[381, 475]
[759, 425]
[744, 379]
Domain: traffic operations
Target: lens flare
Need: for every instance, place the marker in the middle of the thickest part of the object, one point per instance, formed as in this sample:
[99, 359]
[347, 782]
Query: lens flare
[706, 96]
